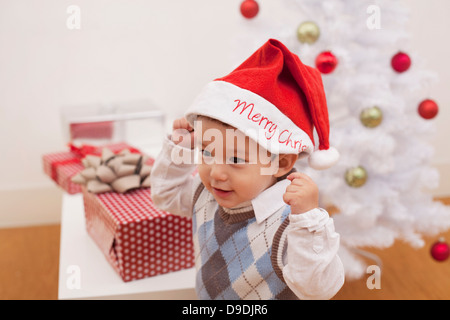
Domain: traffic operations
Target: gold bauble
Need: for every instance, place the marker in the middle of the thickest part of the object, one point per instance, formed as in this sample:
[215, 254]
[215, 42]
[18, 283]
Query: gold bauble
[371, 117]
[356, 177]
[308, 32]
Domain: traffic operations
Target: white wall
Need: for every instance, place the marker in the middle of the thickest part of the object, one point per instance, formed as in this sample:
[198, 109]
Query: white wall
[429, 27]
[126, 50]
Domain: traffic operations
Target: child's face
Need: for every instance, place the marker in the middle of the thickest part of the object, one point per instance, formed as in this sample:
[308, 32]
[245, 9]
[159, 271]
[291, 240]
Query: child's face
[232, 166]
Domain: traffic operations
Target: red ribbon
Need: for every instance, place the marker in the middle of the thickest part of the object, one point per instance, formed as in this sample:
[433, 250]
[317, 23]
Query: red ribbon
[56, 164]
[86, 149]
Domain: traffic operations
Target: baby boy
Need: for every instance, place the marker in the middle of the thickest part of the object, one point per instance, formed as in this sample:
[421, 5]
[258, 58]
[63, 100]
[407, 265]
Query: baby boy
[229, 164]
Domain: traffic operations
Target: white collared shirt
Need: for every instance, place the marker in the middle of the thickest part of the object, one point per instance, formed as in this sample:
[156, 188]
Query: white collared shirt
[312, 270]
[269, 201]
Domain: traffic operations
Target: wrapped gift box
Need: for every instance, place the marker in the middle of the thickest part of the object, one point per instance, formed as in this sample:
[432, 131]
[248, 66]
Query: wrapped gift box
[62, 166]
[136, 238]
[92, 130]
[110, 122]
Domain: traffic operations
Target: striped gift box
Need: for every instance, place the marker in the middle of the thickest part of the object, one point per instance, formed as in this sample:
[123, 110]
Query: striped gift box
[136, 238]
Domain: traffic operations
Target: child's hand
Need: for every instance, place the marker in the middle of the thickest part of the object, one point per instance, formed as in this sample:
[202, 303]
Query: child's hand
[302, 194]
[183, 133]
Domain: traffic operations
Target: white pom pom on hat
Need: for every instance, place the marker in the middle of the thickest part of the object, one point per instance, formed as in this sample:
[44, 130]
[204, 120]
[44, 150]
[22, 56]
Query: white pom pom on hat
[323, 159]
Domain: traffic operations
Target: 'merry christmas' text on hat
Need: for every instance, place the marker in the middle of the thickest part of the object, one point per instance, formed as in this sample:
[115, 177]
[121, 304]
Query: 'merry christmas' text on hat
[274, 99]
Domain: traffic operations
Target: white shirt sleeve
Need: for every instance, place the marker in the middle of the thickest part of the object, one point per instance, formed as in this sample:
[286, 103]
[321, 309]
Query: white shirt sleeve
[172, 181]
[313, 269]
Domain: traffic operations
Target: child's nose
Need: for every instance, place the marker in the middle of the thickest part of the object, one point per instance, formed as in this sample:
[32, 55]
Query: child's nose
[218, 172]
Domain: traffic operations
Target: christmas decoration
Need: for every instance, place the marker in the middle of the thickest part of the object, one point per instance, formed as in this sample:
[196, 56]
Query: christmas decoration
[308, 32]
[401, 62]
[396, 154]
[371, 117]
[64, 165]
[428, 109]
[440, 250]
[249, 8]
[326, 62]
[114, 172]
[136, 238]
[356, 177]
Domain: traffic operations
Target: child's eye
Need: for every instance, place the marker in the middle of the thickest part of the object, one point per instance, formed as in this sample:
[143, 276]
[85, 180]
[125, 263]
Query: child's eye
[237, 160]
[206, 153]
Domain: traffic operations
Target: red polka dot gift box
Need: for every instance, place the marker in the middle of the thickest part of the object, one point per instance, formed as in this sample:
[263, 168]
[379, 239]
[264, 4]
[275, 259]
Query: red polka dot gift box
[136, 238]
[62, 166]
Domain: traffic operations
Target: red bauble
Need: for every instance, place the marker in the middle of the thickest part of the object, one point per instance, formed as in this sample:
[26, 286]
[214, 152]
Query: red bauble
[249, 8]
[326, 62]
[401, 62]
[428, 109]
[440, 250]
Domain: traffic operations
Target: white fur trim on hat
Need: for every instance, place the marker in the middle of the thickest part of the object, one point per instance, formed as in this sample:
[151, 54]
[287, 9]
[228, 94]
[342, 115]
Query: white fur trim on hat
[253, 115]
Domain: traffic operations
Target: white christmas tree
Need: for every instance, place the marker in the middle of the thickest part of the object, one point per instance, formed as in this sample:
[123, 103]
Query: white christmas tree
[379, 185]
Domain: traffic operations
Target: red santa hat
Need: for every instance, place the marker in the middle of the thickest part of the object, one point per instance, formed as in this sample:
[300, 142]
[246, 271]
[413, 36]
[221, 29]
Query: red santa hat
[274, 99]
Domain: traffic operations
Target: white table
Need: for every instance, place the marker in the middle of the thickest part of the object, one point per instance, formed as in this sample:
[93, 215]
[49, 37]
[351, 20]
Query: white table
[84, 273]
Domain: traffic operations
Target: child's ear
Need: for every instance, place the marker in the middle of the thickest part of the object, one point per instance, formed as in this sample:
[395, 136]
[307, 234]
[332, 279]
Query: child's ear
[285, 164]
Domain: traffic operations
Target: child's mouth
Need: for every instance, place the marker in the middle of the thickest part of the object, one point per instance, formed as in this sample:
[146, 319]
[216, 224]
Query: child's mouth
[221, 193]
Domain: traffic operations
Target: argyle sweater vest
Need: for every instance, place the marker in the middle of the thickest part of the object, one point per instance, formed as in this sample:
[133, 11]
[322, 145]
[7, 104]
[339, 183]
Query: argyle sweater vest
[235, 257]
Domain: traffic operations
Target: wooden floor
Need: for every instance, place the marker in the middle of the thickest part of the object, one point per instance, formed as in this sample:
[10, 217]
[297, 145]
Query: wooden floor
[29, 263]
[29, 259]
